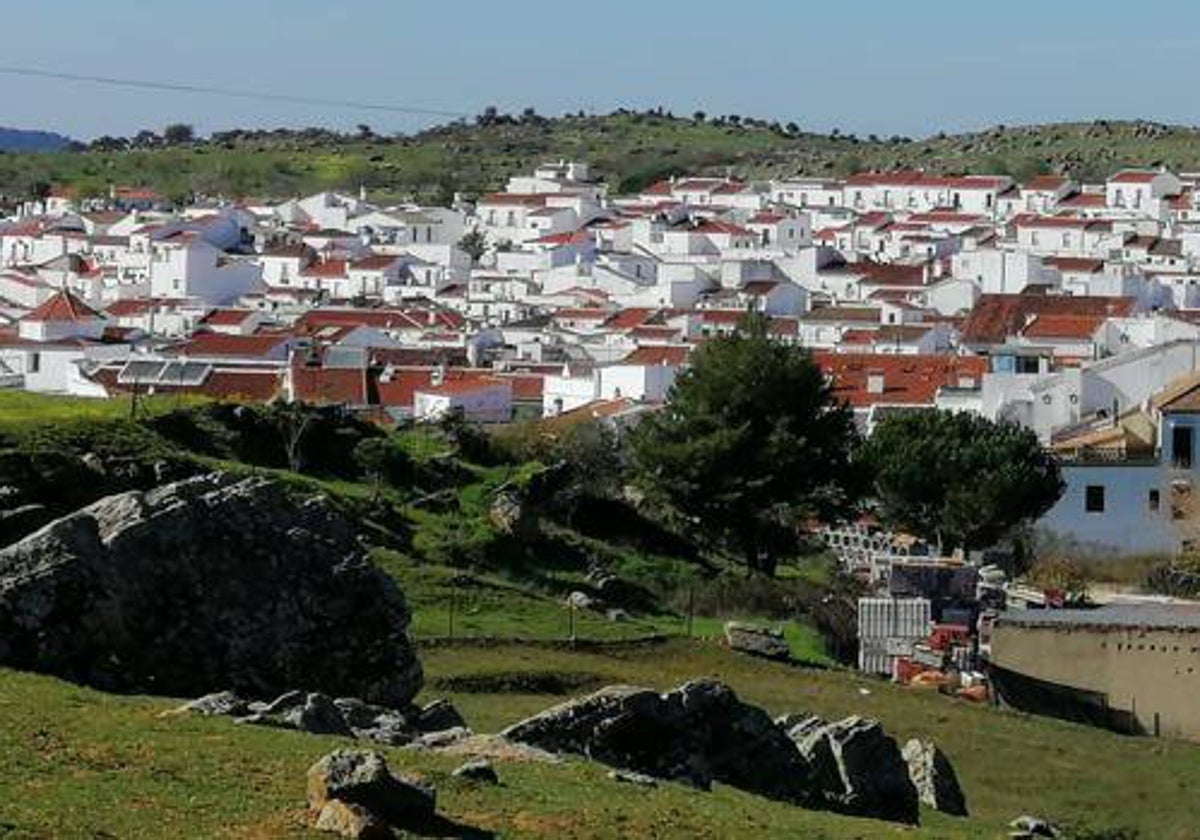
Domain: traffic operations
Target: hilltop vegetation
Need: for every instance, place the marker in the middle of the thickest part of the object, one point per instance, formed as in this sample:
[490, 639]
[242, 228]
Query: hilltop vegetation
[627, 149]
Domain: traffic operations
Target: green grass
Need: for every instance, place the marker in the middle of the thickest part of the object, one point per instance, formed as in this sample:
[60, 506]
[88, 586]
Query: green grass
[624, 149]
[78, 763]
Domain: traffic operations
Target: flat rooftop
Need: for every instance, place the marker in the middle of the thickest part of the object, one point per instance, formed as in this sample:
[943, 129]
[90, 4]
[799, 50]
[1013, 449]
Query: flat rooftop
[1112, 616]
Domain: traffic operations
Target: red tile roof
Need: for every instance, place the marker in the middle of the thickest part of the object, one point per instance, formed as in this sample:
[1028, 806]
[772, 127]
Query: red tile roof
[1077, 264]
[658, 355]
[1134, 176]
[63, 307]
[1063, 326]
[996, 317]
[233, 346]
[226, 317]
[907, 380]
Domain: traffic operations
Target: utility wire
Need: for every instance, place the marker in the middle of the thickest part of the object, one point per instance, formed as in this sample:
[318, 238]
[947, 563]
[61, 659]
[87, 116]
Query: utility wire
[143, 84]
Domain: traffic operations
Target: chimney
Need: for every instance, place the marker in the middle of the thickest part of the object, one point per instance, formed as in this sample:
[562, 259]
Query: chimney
[875, 382]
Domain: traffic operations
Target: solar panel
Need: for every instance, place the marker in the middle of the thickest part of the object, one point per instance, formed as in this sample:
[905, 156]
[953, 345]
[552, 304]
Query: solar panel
[140, 371]
[184, 373]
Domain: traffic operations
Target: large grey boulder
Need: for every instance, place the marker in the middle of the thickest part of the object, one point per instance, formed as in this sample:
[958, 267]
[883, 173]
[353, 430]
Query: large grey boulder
[858, 769]
[934, 778]
[207, 584]
[698, 734]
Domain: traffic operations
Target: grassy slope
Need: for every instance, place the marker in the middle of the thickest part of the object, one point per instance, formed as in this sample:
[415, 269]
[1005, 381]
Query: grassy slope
[82, 764]
[77, 763]
[437, 162]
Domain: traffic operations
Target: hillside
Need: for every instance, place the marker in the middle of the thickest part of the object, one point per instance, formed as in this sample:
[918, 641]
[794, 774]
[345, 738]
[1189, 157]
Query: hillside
[627, 150]
[23, 140]
[82, 763]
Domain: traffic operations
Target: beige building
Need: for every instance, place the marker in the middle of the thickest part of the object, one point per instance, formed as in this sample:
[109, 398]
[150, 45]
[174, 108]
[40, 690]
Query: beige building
[1130, 667]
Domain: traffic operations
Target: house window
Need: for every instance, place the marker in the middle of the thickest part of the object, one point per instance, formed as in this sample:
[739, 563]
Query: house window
[1093, 498]
[1181, 447]
[35, 363]
[1152, 501]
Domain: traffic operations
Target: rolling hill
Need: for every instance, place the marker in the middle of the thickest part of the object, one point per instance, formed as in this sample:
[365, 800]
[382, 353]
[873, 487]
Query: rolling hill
[627, 149]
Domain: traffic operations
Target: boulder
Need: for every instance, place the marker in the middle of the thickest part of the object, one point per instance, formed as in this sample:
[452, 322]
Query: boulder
[375, 723]
[858, 769]
[698, 734]
[934, 778]
[478, 770]
[629, 777]
[580, 601]
[1026, 826]
[361, 778]
[352, 821]
[318, 715]
[238, 585]
[438, 716]
[220, 703]
[757, 641]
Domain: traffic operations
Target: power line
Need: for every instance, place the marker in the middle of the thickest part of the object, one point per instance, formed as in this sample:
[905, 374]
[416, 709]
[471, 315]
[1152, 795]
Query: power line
[143, 84]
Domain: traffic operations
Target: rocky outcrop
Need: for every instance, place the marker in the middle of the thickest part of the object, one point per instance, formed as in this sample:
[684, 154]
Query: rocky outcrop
[858, 769]
[698, 734]
[354, 794]
[934, 777]
[757, 641]
[346, 716]
[205, 584]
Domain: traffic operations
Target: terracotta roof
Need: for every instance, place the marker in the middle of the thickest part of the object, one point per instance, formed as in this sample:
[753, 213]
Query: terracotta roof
[714, 226]
[63, 307]
[1063, 326]
[1046, 183]
[226, 317]
[1134, 176]
[233, 346]
[907, 380]
[1077, 264]
[672, 356]
[339, 386]
[1084, 200]
[996, 317]
[627, 319]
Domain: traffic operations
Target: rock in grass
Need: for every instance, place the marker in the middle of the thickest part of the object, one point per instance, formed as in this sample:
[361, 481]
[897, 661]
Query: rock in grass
[757, 641]
[318, 715]
[352, 821]
[236, 583]
[934, 777]
[438, 716]
[478, 770]
[220, 703]
[631, 778]
[698, 734]
[859, 769]
[361, 778]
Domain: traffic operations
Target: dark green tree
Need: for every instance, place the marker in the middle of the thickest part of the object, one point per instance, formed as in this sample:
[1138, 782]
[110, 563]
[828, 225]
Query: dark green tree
[473, 244]
[383, 462]
[752, 443]
[178, 134]
[959, 480]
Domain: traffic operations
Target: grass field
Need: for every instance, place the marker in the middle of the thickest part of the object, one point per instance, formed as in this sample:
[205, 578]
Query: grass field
[626, 149]
[82, 764]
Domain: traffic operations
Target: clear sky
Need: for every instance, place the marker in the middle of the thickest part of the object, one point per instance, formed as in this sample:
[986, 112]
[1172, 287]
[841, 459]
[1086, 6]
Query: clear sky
[883, 66]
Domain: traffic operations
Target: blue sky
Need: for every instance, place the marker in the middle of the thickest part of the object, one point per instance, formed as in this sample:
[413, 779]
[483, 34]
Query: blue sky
[885, 66]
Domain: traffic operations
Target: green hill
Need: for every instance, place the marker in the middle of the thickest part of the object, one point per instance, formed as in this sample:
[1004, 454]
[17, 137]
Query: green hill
[626, 149]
